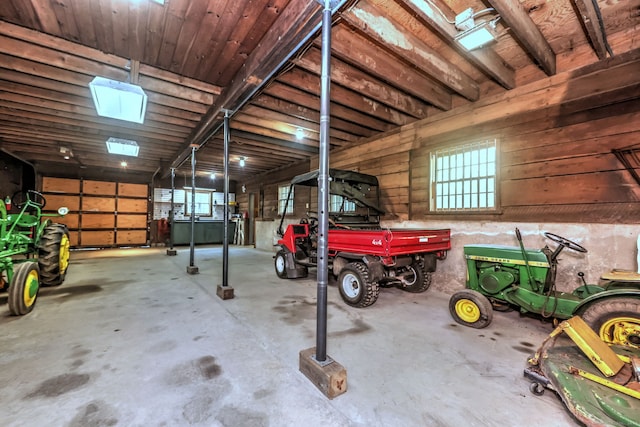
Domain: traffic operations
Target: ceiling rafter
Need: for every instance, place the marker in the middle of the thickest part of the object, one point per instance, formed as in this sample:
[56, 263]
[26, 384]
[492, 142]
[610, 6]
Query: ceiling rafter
[527, 33]
[485, 59]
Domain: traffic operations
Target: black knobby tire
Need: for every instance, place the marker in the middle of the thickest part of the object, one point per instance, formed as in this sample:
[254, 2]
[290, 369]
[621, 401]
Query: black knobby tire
[615, 320]
[23, 290]
[355, 287]
[471, 308]
[420, 279]
[280, 264]
[53, 254]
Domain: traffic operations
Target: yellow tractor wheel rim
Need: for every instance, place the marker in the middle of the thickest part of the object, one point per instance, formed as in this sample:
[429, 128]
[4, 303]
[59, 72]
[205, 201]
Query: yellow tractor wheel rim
[619, 330]
[64, 254]
[468, 310]
[30, 288]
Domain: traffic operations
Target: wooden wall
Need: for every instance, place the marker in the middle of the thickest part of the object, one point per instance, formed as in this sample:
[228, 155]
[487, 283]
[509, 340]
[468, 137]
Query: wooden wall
[101, 213]
[555, 161]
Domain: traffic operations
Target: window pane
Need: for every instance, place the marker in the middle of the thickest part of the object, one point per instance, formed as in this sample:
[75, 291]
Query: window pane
[464, 176]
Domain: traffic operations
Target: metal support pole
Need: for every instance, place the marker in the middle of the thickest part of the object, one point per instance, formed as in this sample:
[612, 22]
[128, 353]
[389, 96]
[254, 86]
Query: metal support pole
[323, 186]
[225, 240]
[171, 250]
[192, 269]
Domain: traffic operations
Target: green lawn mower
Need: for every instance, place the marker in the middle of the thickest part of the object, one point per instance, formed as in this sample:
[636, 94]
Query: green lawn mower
[33, 250]
[504, 277]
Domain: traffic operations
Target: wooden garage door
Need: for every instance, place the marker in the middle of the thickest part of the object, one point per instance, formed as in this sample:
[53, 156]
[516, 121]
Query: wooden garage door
[101, 213]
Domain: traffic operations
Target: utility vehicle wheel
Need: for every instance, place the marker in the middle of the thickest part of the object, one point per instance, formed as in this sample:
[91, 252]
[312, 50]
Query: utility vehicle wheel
[23, 290]
[419, 280]
[281, 264]
[53, 254]
[355, 287]
[615, 320]
[471, 308]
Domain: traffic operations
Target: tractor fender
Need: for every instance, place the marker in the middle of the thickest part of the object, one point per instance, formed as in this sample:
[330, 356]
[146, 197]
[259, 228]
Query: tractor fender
[631, 293]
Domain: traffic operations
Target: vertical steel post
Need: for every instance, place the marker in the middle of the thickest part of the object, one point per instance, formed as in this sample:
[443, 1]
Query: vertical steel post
[225, 241]
[323, 186]
[171, 212]
[193, 205]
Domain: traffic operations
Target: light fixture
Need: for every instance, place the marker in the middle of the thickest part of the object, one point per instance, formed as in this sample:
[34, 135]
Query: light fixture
[213, 175]
[299, 133]
[123, 164]
[474, 36]
[242, 162]
[124, 147]
[66, 152]
[118, 100]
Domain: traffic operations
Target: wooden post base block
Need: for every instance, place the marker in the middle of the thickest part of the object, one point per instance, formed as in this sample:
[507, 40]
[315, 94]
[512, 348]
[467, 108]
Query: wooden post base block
[172, 252]
[192, 269]
[329, 376]
[224, 292]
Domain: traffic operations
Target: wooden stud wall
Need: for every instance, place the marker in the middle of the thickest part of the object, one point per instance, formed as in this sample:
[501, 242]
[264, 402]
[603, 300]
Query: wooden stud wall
[555, 138]
[102, 214]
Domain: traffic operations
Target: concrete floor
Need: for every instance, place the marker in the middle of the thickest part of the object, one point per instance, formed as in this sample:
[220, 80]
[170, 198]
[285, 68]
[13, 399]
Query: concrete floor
[131, 340]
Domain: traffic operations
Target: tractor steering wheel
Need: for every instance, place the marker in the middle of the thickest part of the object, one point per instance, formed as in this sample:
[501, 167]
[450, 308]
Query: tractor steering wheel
[564, 242]
[20, 198]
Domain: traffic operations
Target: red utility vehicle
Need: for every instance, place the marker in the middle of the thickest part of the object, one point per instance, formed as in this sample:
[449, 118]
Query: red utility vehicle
[362, 255]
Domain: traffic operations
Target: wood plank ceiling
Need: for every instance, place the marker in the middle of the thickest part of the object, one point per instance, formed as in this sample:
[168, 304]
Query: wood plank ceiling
[393, 62]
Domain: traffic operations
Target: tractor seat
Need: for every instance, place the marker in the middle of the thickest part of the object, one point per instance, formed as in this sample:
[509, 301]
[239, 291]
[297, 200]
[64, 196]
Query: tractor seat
[621, 276]
[26, 221]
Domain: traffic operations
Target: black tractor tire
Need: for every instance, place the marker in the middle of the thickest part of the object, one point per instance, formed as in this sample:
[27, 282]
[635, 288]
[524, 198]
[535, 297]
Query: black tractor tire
[53, 254]
[355, 287]
[471, 308]
[615, 320]
[23, 290]
[421, 279]
[280, 264]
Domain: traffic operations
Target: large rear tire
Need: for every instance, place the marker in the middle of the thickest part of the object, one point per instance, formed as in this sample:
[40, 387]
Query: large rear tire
[23, 290]
[280, 264]
[615, 320]
[355, 287]
[53, 255]
[419, 280]
[471, 308]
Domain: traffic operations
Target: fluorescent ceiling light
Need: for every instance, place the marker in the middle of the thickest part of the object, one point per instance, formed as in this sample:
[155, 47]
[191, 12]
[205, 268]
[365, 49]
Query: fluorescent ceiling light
[118, 100]
[478, 36]
[123, 147]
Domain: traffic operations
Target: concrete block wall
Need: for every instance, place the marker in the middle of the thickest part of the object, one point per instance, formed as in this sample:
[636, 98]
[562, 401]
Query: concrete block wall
[609, 246]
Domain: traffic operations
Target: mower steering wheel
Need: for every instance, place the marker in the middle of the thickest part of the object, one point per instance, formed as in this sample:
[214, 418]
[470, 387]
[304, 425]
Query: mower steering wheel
[21, 197]
[565, 242]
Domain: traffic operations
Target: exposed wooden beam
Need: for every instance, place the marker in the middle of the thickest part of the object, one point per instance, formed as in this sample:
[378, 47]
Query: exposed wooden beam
[304, 113]
[292, 28]
[485, 59]
[296, 96]
[341, 95]
[527, 33]
[372, 22]
[355, 49]
[595, 34]
[354, 79]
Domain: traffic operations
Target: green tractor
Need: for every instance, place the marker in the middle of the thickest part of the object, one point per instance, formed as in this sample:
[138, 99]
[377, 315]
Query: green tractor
[33, 250]
[505, 277]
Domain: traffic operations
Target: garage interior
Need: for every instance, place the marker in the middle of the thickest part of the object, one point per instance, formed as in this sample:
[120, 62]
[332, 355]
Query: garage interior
[131, 339]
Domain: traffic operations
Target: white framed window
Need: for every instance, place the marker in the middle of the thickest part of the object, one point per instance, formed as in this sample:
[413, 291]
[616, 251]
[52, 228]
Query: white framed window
[463, 178]
[203, 202]
[283, 191]
[340, 204]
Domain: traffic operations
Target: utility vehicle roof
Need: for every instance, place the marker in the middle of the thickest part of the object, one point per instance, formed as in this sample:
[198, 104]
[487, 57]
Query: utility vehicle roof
[310, 179]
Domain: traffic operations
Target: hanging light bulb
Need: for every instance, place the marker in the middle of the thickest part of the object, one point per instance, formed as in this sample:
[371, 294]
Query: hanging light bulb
[242, 162]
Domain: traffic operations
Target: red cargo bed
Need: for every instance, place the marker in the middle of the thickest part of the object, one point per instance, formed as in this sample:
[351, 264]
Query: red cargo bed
[389, 242]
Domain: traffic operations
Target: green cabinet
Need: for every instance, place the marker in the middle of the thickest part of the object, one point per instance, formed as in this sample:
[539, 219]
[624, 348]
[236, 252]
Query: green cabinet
[205, 232]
